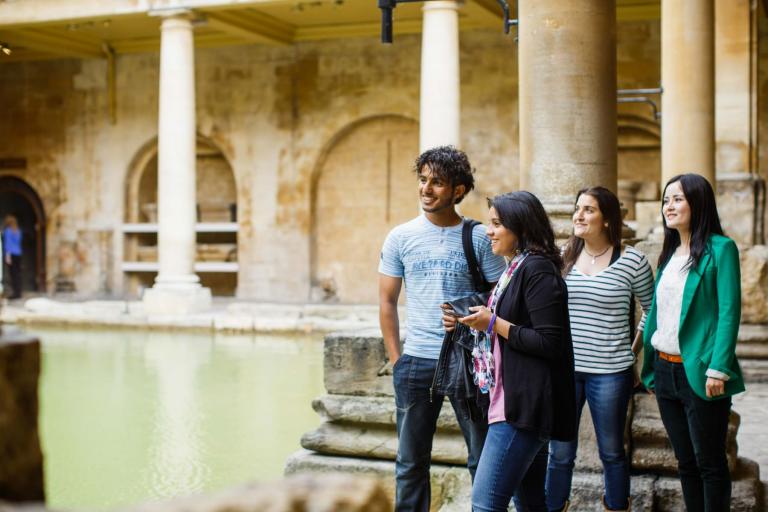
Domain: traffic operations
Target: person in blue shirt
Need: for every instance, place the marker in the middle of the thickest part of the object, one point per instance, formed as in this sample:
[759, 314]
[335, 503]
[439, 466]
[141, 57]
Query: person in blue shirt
[426, 255]
[12, 253]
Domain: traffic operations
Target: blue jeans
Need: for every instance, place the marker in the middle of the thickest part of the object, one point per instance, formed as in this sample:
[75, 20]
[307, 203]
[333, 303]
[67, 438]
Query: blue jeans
[513, 462]
[608, 397]
[698, 430]
[416, 422]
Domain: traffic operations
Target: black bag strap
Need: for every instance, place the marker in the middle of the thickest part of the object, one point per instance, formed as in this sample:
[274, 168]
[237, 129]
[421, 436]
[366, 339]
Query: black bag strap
[481, 285]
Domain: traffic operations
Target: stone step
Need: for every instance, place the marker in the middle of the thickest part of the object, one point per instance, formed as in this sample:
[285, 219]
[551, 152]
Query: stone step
[752, 342]
[451, 487]
[651, 450]
[372, 410]
[754, 370]
[378, 442]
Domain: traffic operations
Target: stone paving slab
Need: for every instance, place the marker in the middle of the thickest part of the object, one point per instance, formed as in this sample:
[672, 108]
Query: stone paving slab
[225, 316]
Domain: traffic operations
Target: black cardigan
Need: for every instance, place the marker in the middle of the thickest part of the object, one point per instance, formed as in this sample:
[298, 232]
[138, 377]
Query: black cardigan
[537, 358]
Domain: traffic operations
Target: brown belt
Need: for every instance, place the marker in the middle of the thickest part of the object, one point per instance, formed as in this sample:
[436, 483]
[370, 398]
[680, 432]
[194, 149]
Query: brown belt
[672, 358]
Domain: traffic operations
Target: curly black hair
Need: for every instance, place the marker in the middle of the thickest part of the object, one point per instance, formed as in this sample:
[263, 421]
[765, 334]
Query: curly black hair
[449, 163]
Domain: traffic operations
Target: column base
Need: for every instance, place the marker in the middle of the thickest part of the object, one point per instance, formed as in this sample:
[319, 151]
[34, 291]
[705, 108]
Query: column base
[561, 217]
[741, 204]
[167, 299]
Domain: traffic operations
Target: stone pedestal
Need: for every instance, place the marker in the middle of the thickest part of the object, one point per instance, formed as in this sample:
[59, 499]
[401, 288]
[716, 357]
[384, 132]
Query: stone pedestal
[176, 300]
[357, 435]
[21, 460]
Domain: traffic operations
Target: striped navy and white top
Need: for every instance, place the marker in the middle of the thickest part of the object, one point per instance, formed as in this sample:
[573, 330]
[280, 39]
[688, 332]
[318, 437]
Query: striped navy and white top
[599, 309]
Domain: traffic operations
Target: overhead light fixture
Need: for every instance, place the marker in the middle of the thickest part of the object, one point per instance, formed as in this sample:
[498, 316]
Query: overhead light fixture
[5, 49]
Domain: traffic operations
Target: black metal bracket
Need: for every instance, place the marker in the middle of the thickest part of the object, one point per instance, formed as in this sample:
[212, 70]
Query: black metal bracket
[387, 6]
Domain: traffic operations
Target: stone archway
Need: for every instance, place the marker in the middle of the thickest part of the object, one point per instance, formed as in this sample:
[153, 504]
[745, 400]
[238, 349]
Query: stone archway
[216, 200]
[18, 198]
[362, 187]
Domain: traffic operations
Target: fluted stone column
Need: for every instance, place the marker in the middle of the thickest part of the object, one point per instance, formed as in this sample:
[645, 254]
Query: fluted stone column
[567, 70]
[177, 288]
[439, 102]
[688, 100]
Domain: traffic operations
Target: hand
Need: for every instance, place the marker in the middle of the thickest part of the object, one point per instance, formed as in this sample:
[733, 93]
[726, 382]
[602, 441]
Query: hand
[449, 318]
[635, 377]
[479, 319]
[8, 258]
[715, 387]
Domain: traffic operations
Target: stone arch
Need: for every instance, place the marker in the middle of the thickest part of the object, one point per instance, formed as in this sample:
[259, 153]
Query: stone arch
[361, 187]
[639, 161]
[17, 197]
[216, 201]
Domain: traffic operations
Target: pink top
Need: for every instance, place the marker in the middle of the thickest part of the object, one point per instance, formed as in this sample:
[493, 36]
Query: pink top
[496, 409]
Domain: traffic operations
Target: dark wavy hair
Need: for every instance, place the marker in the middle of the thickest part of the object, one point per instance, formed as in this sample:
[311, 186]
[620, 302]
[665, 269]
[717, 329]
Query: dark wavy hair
[705, 220]
[610, 208]
[523, 214]
[449, 163]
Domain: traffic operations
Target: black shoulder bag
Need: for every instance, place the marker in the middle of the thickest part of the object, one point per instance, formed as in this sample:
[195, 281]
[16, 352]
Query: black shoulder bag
[453, 373]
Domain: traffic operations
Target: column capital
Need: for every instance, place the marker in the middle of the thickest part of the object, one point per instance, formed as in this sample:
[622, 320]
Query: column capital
[442, 5]
[172, 12]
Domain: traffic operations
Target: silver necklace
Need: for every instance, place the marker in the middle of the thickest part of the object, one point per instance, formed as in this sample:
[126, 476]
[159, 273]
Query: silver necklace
[595, 256]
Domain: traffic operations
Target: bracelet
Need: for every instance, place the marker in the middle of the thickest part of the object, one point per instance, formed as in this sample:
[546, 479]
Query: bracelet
[489, 330]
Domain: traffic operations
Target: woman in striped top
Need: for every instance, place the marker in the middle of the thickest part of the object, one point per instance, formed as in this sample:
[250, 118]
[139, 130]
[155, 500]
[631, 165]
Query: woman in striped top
[602, 279]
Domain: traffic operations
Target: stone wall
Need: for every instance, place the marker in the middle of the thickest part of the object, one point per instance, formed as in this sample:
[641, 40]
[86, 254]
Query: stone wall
[292, 122]
[357, 434]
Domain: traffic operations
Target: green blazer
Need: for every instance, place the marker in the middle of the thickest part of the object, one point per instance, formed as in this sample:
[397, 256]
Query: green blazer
[709, 320]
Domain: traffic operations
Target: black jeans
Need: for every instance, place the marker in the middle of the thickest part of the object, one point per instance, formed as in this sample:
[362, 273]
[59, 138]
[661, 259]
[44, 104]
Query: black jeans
[14, 271]
[698, 431]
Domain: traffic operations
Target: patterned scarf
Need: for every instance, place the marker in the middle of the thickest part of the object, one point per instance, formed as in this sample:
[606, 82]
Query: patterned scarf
[482, 352]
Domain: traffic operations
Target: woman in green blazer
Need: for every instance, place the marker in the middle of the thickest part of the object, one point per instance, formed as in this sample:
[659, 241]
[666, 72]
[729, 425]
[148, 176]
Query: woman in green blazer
[690, 339]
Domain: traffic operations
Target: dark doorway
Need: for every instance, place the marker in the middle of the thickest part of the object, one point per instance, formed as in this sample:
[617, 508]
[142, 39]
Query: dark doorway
[19, 199]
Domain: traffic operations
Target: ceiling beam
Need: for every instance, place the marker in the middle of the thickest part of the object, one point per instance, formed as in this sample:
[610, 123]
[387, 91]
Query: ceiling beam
[254, 28]
[55, 44]
[493, 8]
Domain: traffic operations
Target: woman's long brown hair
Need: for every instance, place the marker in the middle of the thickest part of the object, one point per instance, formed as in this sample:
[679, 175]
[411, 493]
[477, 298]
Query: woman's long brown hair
[611, 209]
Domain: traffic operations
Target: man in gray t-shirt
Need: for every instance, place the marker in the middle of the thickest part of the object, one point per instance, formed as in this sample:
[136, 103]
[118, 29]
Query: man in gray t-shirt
[427, 254]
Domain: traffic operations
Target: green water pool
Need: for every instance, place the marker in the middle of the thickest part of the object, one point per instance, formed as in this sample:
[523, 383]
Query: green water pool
[133, 416]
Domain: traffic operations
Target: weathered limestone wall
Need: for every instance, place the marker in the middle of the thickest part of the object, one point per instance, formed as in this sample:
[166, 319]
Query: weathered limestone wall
[294, 124]
[21, 461]
[275, 113]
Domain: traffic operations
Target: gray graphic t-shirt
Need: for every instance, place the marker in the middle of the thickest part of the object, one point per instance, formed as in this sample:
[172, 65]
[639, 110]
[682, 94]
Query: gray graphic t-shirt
[431, 261]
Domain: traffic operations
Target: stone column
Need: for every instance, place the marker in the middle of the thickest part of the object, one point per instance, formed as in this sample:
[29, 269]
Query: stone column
[688, 100]
[177, 289]
[567, 111]
[740, 188]
[439, 75]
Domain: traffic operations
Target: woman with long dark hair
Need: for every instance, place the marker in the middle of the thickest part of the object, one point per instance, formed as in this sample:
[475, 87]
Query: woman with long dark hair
[530, 357]
[603, 278]
[690, 339]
